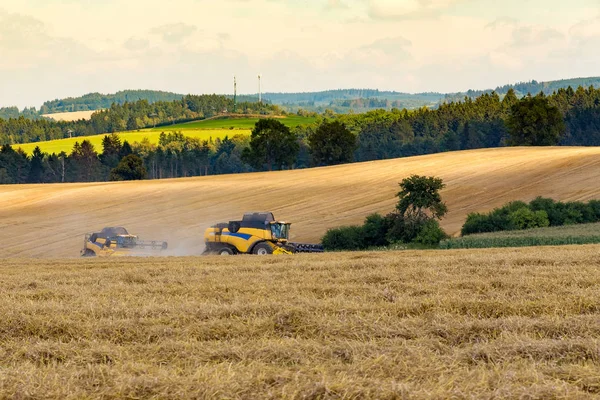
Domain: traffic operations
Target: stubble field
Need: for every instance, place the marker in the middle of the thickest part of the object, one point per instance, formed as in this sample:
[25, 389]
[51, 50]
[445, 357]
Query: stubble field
[497, 323]
[50, 220]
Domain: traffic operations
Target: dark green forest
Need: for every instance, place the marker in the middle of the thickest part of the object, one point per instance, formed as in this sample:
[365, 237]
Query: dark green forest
[566, 117]
[98, 101]
[523, 88]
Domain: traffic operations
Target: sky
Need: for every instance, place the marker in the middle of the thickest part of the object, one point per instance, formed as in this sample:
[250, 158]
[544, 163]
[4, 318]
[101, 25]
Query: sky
[57, 48]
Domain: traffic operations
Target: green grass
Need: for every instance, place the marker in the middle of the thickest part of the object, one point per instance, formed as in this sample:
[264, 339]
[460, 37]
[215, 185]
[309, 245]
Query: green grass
[555, 236]
[238, 123]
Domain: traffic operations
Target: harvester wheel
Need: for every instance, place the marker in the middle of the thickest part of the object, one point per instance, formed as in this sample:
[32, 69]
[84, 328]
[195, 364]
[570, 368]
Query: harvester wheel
[262, 249]
[225, 251]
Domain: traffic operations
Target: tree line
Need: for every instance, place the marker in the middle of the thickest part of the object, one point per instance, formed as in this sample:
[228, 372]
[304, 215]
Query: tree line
[522, 88]
[539, 213]
[567, 117]
[127, 116]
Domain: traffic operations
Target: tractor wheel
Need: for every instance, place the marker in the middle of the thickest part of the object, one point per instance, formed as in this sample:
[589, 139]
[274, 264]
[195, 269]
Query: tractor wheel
[262, 249]
[225, 251]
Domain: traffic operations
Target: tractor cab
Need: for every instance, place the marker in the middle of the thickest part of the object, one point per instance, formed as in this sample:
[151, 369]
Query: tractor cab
[280, 231]
[115, 237]
[126, 242]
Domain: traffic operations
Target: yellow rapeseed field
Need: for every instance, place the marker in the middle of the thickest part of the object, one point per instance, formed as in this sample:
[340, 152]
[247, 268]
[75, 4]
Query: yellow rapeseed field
[50, 220]
[509, 323]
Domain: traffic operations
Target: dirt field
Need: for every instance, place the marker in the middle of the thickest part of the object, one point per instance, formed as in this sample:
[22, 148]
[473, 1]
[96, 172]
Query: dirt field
[70, 116]
[50, 220]
[415, 325]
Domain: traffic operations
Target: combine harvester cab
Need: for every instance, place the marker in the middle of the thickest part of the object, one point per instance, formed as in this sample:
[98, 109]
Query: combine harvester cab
[257, 233]
[116, 241]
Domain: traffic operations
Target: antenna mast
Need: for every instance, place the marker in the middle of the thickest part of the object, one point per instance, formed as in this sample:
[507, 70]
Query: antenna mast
[234, 94]
[259, 90]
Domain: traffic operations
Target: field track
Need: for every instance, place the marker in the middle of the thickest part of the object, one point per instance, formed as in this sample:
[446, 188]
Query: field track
[50, 220]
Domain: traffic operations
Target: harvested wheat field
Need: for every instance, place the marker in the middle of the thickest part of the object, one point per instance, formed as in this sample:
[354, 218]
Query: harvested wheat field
[521, 323]
[71, 115]
[50, 220]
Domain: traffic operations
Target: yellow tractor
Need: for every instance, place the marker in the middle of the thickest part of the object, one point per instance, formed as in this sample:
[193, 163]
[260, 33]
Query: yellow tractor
[116, 241]
[257, 233]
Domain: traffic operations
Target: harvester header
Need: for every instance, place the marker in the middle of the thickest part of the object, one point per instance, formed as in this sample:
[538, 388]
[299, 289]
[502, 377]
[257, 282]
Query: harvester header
[116, 241]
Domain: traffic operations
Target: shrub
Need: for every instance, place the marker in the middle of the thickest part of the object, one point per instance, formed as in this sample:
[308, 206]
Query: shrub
[595, 209]
[477, 223]
[518, 215]
[430, 233]
[375, 231]
[395, 223]
[404, 229]
[511, 207]
[580, 213]
[344, 238]
[552, 208]
[524, 218]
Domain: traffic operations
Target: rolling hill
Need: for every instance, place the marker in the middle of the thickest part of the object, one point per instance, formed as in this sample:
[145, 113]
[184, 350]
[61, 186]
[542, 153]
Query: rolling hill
[50, 220]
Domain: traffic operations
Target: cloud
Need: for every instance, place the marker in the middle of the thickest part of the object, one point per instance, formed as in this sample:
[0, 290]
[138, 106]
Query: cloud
[26, 43]
[174, 33]
[386, 51]
[53, 48]
[136, 44]
[336, 5]
[586, 29]
[529, 36]
[408, 9]
[502, 21]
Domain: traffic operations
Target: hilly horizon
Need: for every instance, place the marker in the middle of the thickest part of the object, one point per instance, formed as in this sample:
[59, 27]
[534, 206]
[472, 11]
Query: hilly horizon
[49, 220]
[340, 100]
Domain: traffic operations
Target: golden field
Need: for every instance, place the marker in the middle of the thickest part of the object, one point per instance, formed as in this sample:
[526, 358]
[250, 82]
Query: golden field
[520, 323]
[71, 115]
[50, 220]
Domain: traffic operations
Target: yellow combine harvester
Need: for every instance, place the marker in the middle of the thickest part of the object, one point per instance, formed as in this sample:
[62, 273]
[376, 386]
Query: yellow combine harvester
[116, 241]
[257, 233]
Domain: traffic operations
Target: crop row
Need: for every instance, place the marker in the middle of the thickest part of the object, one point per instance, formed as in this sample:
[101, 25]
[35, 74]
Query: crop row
[473, 242]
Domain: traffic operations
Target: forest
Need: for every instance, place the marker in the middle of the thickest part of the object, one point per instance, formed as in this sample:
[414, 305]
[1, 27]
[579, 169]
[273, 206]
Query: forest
[567, 117]
[128, 116]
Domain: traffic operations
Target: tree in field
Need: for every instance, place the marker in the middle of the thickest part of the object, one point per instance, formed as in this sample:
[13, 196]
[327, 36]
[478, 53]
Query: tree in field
[420, 197]
[111, 147]
[86, 166]
[332, 143]
[36, 168]
[130, 168]
[419, 208]
[534, 122]
[272, 144]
